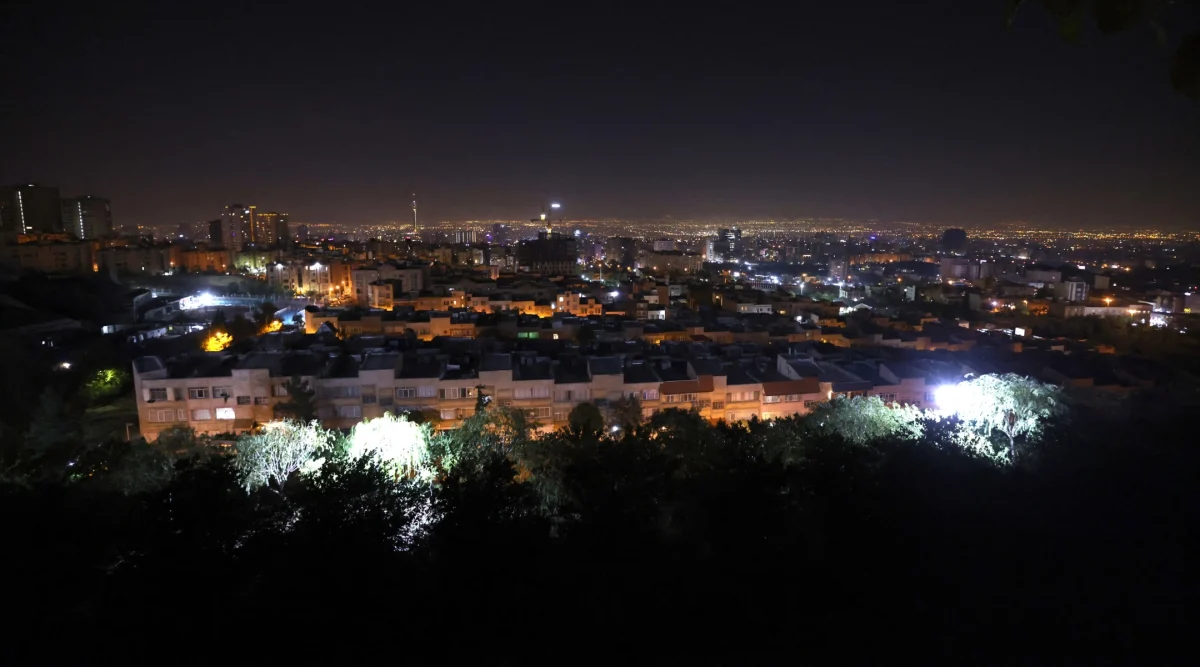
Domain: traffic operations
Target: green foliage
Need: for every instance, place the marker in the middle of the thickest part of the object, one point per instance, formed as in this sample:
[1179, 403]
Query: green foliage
[52, 433]
[1012, 406]
[181, 441]
[626, 413]
[129, 468]
[398, 446]
[105, 384]
[278, 450]
[499, 431]
[585, 420]
[864, 419]
[689, 519]
[355, 505]
[302, 402]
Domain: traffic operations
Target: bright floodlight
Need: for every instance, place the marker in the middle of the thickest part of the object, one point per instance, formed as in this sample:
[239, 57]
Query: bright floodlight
[556, 206]
[205, 300]
[966, 400]
[951, 399]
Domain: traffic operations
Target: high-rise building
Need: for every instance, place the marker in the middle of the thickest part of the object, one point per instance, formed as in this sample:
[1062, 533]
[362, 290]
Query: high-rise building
[954, 240]
[550, 253]
[270, 228]
[87, 217]
[216, 233]
[237, 226]
[958, 268]
[622, 250]
[464, 236]
[729, 242]
[28, 208]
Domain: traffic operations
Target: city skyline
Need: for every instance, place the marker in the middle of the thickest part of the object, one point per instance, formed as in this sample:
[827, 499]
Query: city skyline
[937, 113]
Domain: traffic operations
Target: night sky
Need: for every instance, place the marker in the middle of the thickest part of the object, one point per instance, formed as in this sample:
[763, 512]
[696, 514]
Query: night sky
[887, 109]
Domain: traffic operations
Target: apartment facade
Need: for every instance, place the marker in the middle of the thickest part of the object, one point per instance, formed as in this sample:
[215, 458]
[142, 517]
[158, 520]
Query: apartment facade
[218, 393]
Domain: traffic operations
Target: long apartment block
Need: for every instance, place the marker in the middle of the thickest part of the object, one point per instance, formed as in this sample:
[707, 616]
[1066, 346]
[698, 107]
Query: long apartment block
[231, 393]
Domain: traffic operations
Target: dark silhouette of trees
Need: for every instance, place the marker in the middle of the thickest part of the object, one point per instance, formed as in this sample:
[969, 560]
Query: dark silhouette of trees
[53, 438]
[1115, 16]
[585, 419]
[265, 314]
[302, 402]
[626, 412]
[779, 531]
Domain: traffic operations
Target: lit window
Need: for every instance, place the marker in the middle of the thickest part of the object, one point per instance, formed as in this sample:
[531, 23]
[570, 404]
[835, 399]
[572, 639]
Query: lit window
[225, 413]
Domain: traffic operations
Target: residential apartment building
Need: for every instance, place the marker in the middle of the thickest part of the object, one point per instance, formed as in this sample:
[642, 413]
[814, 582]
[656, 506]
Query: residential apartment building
[155, 259]
[50, 256]
[409, 280]
[202, 260]
[667, 261]
[225, 393]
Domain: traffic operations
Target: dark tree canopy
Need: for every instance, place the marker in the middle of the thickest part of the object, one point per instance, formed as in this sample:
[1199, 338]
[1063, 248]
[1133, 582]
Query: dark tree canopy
[811, 531]
[302, 402]
[1115, 16]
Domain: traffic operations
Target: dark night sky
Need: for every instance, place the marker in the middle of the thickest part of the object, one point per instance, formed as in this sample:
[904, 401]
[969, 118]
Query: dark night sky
[895, 110]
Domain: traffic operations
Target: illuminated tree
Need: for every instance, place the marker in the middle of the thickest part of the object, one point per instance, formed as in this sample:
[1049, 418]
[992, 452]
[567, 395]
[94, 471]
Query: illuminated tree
[1011, 405]
[398, 445]
[862, 419]
[217, 341]
[278, 450]
[105, 384]
[271, 327]
[498, 431]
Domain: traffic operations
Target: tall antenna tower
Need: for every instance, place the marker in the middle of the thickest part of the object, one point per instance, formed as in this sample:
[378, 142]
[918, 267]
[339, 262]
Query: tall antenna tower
[414, 214]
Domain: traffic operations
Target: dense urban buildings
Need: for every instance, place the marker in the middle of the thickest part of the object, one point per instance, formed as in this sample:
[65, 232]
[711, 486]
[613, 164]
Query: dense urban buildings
[743, 335]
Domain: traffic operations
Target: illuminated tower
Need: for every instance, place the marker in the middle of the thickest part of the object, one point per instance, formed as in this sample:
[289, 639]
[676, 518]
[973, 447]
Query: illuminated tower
[414, 214]
[87, 217]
